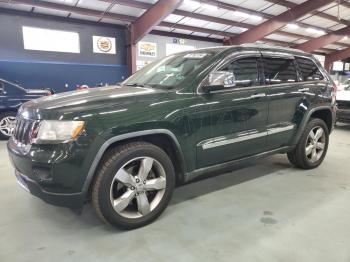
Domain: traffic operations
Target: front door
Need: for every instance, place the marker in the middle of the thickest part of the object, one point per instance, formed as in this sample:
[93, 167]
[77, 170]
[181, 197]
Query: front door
[238, 115]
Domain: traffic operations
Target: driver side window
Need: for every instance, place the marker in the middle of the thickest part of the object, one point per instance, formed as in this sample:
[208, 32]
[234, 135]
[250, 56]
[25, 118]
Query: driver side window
[245, 71]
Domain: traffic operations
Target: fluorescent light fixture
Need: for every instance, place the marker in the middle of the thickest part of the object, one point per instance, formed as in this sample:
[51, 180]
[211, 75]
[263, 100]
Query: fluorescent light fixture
[255, 17]
[314, 31]
[209, 7]
[248, 16]
[192, 3]
[292, 26]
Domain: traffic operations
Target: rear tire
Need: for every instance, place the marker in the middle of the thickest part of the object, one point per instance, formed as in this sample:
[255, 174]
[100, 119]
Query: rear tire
[312, 147]
[133, 186]
[7, 124]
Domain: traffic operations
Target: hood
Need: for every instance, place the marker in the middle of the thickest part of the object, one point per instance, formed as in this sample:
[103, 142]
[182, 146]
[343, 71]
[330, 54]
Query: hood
[343, 95]
[80, 101]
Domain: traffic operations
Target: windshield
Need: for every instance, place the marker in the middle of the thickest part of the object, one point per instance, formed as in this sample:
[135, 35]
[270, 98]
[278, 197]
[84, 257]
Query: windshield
[170, 71]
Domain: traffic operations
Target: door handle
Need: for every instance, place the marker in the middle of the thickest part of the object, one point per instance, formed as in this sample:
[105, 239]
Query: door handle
[259, 95]
[306, 89]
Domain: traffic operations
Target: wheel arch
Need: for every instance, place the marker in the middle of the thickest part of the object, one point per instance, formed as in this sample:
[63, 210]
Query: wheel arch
[324, 112]
[159, 137]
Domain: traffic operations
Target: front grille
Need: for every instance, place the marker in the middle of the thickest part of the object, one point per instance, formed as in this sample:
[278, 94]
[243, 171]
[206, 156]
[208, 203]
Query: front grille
[23, 130]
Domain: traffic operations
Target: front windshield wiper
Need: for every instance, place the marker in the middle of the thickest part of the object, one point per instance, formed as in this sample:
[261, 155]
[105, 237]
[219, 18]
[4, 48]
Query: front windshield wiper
[135, 84]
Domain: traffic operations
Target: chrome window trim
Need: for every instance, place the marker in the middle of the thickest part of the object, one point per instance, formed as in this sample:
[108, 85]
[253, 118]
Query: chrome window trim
[259, 53]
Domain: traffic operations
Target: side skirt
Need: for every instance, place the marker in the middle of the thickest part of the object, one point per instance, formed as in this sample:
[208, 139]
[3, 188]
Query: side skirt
[232, 165]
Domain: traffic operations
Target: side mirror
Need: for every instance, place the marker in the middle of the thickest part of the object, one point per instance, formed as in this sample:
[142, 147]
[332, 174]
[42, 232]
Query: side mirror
[219, 80]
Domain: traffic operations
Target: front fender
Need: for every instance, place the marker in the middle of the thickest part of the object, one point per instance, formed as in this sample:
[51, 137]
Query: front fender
[118, 138]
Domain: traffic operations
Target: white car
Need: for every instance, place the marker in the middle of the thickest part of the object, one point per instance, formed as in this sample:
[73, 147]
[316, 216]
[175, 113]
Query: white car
[343, 104]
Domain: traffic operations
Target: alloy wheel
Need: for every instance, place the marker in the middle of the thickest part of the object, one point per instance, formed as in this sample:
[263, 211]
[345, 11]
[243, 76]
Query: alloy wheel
[7, 125]
[315, 144]
[138, 187]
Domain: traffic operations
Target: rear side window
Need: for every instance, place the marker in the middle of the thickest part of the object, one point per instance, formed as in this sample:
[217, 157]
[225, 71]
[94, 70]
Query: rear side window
[279, 71]
[245, 71]
[308, 69]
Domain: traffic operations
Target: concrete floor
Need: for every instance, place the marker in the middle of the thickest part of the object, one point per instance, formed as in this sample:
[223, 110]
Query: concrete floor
[269, 211]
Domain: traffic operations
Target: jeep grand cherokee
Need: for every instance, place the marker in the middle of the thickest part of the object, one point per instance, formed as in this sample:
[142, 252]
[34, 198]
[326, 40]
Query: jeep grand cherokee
[189, 114]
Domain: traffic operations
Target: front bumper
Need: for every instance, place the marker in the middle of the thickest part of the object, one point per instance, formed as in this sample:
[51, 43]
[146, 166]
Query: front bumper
[51, 174]
[74, 201]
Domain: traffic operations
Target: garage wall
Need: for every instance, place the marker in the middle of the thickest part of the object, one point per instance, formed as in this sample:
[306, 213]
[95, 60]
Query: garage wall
[37, 69]
[161, 45]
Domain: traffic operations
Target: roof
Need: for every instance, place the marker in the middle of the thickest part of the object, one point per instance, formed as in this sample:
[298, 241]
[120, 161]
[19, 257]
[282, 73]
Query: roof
[208, 19]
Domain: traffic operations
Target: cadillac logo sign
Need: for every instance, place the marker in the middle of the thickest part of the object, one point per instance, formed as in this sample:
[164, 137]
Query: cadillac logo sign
[105, 45]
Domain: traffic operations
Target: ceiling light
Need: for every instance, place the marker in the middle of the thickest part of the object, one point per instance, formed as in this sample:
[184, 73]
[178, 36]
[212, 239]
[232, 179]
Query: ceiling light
[192, 3]
[255, 17]
[345, 38]
[209, 7]
[314, 31]
[292, 26]
[248, 16]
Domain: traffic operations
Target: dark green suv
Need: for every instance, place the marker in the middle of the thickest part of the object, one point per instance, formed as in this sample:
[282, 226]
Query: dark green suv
[125, 147]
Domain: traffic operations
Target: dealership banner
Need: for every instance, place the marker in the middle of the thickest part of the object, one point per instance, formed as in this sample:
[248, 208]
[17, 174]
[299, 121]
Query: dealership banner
[104, 45]
[147, 49]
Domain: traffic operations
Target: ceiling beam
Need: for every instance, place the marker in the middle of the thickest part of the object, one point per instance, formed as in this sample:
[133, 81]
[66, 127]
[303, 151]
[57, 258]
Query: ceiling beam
[278, 22]
[289, 4]
[73, 9]
[336, 56]
[151, 18]
[130, 19]
[324, 40]
[143, 5]
[233, 7]
[145, 24]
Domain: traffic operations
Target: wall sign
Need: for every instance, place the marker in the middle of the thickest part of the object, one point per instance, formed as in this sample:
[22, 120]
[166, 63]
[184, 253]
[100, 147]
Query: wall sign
[104, 45]
[178, 41]
[147, 49]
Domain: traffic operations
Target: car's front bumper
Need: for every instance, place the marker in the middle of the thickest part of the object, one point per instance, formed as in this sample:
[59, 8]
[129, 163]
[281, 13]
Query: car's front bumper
[49, 173]
[74, 200]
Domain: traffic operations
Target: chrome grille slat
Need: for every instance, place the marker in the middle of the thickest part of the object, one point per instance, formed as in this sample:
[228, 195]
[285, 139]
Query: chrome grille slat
[23, 130]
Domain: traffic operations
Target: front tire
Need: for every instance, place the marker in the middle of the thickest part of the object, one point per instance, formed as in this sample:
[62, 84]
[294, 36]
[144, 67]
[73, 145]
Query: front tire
[312, 147]
[133, 186]
[7, 125]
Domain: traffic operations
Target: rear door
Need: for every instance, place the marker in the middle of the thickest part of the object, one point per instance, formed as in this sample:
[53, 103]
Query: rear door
[281, 79]
[238, 114]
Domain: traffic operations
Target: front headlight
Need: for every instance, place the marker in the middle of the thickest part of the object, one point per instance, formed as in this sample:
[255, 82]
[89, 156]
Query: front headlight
[54, 131]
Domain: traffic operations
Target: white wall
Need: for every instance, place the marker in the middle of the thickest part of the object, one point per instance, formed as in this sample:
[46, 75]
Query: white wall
[168, 45]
